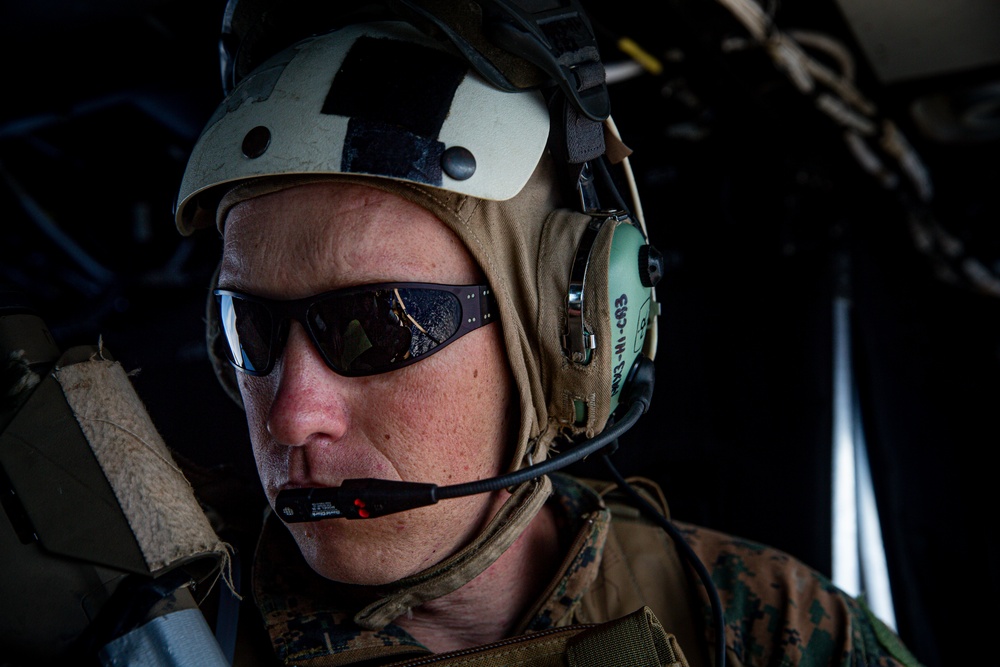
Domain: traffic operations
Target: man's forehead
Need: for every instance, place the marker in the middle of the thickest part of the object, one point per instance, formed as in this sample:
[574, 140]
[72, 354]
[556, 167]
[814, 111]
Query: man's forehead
[310, 199]
[328, 235]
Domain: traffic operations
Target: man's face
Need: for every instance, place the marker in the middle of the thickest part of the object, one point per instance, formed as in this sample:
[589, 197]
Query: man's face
[443, 420]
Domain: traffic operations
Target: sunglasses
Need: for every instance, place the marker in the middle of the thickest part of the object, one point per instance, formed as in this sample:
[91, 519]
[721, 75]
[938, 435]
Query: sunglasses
[358, 331]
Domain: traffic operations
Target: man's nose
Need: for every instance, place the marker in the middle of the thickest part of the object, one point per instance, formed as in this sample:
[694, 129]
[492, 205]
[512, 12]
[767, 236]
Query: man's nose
[309, 404]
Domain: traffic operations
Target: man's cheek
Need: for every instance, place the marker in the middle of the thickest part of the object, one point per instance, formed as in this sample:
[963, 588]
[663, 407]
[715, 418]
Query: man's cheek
[257, 399]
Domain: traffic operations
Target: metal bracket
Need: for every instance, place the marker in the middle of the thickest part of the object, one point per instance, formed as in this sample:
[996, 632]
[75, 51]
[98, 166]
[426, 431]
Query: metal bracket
[578, 342]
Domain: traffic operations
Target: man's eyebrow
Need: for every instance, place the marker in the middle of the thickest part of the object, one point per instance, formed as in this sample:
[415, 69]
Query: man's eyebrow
[232, 285]
[243, 288]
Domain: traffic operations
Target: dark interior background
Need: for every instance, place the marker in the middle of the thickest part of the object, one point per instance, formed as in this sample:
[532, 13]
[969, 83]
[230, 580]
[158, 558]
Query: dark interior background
[764, 216]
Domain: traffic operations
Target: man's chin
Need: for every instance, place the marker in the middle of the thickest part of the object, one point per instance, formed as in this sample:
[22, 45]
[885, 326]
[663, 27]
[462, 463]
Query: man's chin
[344, 551]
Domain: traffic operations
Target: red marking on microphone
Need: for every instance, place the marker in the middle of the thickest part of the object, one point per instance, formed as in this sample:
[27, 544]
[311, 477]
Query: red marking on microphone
[360, 504]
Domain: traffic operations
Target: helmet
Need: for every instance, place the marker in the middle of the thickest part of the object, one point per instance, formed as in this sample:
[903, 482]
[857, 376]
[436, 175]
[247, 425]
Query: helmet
[313, 109]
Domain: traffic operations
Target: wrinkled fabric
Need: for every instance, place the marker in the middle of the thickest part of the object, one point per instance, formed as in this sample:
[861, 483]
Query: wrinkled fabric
[156, 499]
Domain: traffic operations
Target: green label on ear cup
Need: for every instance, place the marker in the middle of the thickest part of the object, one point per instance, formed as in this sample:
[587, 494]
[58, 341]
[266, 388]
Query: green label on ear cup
[629, 302]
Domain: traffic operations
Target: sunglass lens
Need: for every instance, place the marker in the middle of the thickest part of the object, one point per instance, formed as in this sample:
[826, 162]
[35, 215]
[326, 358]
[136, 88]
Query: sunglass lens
[247, 329]
[376, 330]
[434, 316]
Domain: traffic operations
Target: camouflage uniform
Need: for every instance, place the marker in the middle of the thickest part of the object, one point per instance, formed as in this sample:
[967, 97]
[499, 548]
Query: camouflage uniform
[778, 611]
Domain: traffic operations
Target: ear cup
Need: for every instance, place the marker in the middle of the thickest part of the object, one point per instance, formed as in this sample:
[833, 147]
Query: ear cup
[630, 302]
[609, 315]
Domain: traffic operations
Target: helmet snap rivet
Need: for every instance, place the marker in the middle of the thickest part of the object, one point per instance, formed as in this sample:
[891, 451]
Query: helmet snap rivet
[256, 142]
[458, 162]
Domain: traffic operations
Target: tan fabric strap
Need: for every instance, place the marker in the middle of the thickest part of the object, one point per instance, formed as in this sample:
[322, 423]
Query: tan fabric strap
[458, 570]
[635, 640]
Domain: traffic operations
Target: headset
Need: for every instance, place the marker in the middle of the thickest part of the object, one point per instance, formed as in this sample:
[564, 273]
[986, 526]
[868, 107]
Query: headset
[556, 41]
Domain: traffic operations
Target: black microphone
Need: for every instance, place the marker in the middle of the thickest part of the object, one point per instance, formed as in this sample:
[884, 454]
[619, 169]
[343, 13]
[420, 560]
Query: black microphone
[369, 498]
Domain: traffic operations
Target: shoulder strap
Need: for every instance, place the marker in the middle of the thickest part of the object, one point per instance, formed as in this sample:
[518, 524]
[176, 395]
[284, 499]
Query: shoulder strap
[635, 640]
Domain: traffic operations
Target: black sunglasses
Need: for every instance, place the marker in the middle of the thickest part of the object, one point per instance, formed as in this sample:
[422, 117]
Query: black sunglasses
[359, 330]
